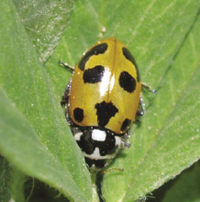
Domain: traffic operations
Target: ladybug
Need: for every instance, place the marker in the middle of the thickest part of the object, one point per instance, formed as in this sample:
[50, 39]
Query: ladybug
[102, 100]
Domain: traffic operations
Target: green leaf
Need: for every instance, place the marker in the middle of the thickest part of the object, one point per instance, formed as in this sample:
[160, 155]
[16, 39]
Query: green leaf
[17, 182]
[5, 173]
[186, 188]
[164, 38]
[44, 22]
[167, 141]
[33, 131]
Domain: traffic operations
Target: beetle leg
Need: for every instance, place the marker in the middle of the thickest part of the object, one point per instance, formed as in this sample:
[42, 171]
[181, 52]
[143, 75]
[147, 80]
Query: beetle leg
[141, 108]
[65, 102]
[148, 88]
[66, 94]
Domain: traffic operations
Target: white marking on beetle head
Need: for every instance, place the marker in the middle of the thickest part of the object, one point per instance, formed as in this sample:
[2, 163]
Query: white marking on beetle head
[77, 136]
[98, 135]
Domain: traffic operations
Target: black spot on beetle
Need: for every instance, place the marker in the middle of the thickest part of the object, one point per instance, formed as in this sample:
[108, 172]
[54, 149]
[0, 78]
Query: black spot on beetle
[104, 112]
[130, 57]
[126, 123]
[98, 49]
[93, 75]
[108, 146]
[127, 82]
[78, 114]
[86, 142]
